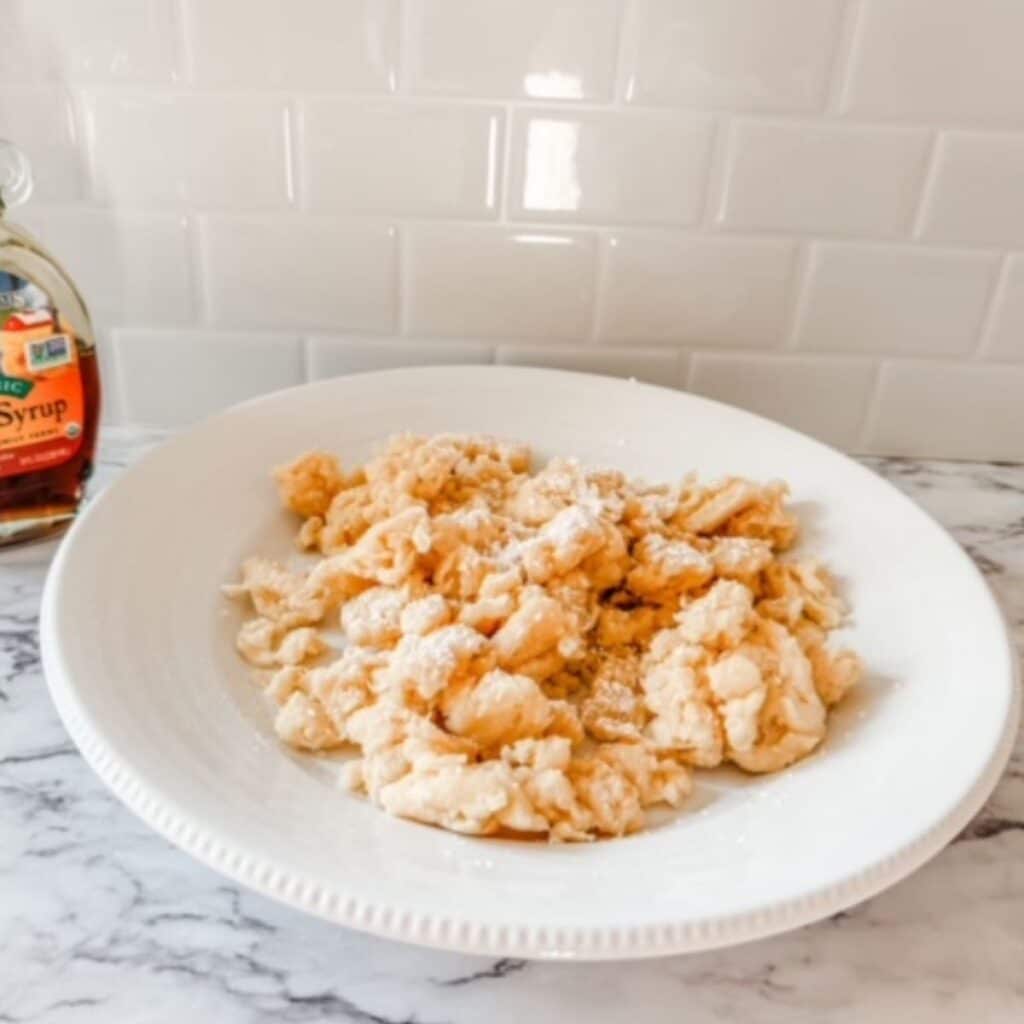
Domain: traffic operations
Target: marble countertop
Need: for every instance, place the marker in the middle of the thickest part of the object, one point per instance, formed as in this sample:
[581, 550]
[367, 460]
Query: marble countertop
[103, 922]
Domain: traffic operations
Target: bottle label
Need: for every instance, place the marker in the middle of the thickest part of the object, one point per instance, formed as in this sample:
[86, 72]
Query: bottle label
[42, 400]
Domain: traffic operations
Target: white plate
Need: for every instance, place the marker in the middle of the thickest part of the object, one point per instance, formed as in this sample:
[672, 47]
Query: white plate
[137, 647]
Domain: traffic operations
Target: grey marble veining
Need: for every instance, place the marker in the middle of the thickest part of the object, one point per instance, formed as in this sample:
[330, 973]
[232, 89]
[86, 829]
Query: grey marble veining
[103, 922]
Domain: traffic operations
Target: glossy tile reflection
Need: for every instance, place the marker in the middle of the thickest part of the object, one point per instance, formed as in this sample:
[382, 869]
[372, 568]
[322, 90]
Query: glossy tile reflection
[420, 159]
[603, 167]
[546, 49]
[552, 166]
[471, 282]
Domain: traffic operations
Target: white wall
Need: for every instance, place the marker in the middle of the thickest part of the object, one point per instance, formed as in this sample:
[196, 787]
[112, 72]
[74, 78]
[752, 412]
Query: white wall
[809, 207]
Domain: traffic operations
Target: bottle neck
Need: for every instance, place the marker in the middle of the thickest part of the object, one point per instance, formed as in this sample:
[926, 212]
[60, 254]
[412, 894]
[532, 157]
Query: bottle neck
[15, 176]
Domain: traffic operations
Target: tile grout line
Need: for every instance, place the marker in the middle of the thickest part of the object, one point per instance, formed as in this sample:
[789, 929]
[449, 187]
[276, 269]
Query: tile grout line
[993, 307]
[294, 133]
[505, 164]
[845, 48]
[80, 127]
[196, 248]
[494, 193]
[402, 288]
[83, 103]
[718, 171]
[696, 231]
[400, 85]
[113, 342]
[689, 377]
[782, 116]
[799, 295]
[926, 187]
[872, 411]
[599, 284]
[183, 70]
[626, 25]
[306, 357]
[684, 367]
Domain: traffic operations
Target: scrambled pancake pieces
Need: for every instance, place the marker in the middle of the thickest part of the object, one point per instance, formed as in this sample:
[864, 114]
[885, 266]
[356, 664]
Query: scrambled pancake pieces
[546, 653]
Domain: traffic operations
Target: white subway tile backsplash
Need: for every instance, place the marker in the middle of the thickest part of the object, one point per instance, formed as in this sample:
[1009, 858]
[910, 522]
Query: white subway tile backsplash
[695, 291]
[656, 366]
[294, 272]
[550, 49]
[797, 191]
[423, 159]
[950, 410]
[95, 40]
[898, 300]
[735, 54]
[826, 398]
[40, 119]
[333, 356]
[130, 267]
[822, 177]
[940, 59]
[489, 282]
[111, 392]
[1006, 338]
[170, 149]
[604, 166]
[905, 300]
[175, 378]
[977, 192]
[350, 45]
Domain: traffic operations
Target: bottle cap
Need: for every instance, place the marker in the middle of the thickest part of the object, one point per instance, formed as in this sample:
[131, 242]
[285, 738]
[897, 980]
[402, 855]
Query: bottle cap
[15, 175]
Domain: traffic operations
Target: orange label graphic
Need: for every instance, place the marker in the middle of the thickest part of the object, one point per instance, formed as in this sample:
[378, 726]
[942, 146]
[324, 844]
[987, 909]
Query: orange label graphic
[41, 397]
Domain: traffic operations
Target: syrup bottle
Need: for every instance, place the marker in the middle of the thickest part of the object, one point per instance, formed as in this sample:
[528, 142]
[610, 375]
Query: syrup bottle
[49, 379]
